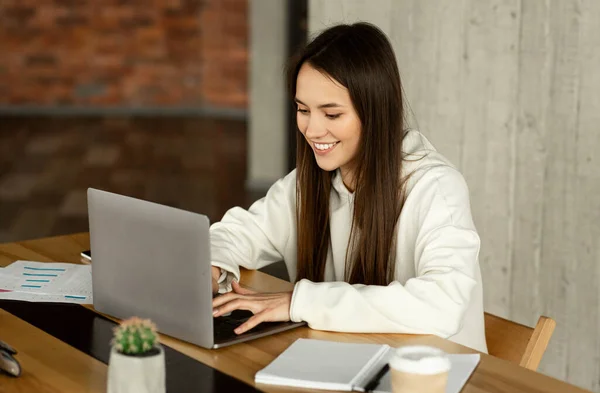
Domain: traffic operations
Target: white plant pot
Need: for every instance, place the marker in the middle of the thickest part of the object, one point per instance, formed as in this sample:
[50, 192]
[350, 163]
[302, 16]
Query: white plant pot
[135, 374]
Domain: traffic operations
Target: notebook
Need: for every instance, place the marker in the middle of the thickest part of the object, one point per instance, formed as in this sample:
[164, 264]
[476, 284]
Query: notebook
[330, 365]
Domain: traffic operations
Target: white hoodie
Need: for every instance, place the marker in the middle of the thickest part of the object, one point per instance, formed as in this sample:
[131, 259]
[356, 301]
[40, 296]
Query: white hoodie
[437, 288]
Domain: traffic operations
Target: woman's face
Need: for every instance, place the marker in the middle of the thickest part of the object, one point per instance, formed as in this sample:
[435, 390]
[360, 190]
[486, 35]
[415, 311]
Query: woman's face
[328, 121]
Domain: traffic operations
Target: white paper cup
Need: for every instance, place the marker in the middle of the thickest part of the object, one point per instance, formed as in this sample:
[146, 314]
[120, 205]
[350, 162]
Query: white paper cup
[419, 369]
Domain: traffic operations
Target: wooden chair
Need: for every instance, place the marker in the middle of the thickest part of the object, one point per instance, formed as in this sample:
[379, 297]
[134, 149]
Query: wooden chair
[518, 343]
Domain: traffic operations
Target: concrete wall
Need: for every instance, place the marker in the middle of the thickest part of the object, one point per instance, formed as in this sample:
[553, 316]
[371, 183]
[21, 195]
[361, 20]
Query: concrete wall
[267, 125]
[509, 91]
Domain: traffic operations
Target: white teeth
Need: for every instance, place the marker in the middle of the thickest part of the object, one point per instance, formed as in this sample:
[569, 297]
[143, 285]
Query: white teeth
[321, 146]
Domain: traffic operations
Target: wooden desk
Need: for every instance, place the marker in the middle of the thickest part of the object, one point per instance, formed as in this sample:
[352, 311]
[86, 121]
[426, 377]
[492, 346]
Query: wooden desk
[65, 369]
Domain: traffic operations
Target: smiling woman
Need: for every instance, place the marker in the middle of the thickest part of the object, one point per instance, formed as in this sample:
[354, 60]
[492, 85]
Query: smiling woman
[374, 225]
[332, 128]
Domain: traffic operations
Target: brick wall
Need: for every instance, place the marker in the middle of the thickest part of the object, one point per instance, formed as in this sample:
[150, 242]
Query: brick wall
[123, 53]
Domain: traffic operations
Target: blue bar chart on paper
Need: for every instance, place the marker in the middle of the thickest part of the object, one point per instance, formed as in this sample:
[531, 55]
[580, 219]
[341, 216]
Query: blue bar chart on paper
[46, 282]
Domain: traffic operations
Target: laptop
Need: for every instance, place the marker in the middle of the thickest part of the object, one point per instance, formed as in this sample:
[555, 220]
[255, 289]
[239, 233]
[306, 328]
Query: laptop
[153, 261]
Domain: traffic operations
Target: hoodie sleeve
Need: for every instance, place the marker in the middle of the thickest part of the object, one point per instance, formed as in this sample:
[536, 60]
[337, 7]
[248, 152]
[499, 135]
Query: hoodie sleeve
[256, 237]
[445, 259]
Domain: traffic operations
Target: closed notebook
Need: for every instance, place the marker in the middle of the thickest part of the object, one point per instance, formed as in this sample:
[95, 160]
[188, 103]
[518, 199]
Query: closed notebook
[330, 365]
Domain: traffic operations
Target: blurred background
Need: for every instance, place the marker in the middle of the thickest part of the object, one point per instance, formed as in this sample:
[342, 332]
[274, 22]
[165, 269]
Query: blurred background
[145, 98]
[182, 102]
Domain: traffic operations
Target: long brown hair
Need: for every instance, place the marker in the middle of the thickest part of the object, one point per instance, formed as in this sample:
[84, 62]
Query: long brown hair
[359, 57]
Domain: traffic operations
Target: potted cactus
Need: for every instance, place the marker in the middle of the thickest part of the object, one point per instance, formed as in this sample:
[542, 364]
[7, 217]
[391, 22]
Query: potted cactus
[137, 360]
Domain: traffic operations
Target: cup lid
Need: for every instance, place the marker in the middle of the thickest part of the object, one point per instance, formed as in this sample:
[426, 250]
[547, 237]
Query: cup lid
[420, 359]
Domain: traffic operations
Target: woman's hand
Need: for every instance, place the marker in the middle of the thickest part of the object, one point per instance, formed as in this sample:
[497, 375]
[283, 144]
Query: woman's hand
[216, 273]
[266, 307]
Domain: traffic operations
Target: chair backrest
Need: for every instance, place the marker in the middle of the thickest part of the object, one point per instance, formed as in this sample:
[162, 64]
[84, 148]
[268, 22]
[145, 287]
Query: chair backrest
[518, 343]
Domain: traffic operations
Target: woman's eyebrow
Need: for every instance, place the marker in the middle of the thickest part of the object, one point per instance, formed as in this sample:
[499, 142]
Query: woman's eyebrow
[322, 106]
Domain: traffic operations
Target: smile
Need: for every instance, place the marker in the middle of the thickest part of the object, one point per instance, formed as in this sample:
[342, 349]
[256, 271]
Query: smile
[322, 148]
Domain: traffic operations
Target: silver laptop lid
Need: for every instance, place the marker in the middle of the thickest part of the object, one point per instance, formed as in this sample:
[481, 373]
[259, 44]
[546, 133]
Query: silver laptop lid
[152, 261]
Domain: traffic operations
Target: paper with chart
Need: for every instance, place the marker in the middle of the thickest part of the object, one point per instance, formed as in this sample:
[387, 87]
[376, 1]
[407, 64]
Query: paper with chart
[46, 282]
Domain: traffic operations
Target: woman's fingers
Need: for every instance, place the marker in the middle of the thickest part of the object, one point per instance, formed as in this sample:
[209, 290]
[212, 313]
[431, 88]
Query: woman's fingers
[252, 322]
[265, 306]
[215, 273]
[237, 288]
[225, 298]
[237, 304]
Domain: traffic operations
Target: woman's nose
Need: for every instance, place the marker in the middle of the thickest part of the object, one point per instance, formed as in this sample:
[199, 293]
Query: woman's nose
[314, 130]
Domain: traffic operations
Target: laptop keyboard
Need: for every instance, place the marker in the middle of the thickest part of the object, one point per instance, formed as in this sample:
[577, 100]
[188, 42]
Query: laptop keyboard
[224, 325]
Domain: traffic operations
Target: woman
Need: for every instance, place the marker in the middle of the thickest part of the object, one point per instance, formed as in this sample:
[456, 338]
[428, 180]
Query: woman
[374, 225]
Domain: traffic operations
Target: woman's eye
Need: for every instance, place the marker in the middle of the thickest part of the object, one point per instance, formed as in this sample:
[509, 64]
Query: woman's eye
[333, 116]
[304, 111]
